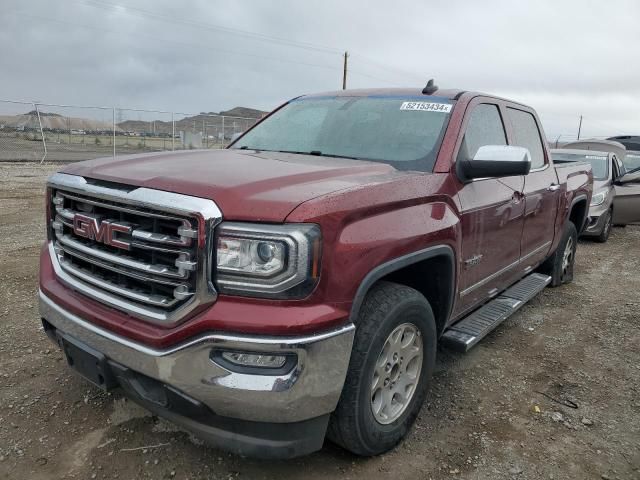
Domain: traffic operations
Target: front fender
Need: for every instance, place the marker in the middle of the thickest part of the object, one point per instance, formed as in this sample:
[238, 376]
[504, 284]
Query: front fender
[369, 248]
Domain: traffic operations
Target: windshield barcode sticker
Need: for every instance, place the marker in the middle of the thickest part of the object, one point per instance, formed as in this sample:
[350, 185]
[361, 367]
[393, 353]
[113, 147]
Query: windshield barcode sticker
[426, 106]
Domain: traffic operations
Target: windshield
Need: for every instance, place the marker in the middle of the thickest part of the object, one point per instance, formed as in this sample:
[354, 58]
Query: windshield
[403, 131]
[599, 163]
[631, 161]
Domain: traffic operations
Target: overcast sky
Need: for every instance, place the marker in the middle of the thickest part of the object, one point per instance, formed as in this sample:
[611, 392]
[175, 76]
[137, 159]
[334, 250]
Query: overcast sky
[564, 58]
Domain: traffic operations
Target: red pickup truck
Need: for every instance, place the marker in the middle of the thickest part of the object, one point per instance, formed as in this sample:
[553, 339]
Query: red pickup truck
[296, 285]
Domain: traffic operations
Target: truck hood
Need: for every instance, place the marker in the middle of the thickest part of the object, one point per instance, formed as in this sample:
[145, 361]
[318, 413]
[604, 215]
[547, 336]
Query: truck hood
[246, 185]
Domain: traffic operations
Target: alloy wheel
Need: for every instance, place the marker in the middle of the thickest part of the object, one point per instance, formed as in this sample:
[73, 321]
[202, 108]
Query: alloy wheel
[396, 373]
[567, 258]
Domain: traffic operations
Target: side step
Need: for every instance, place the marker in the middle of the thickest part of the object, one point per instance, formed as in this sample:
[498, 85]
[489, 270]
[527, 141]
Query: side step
[464, 334]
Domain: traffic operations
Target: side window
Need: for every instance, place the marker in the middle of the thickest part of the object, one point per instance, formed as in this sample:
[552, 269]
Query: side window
[484, 128]
[526, 134]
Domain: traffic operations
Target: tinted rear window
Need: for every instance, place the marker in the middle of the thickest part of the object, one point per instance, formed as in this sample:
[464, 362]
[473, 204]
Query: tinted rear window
[526, 134]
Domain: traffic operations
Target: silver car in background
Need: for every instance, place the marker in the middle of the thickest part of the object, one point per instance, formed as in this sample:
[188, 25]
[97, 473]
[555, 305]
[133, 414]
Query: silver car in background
[626, 208]
[607, 168]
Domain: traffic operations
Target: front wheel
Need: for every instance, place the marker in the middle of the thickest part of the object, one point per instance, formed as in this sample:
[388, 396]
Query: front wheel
[606, 229]
[560, 265]
[391, 365]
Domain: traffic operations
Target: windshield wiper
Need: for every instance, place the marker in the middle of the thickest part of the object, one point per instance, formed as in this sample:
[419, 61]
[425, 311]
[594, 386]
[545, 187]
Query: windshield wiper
[318, 153]
[246, 147]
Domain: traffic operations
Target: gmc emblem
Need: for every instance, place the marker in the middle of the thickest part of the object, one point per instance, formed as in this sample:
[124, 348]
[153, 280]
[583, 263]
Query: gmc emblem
[103, 232]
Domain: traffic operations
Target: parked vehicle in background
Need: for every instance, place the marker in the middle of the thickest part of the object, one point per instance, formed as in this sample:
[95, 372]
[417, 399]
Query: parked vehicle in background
[297, 283]
[631, 142]
[631, 161]
[599, 145]
[627, 203]
[626, 207]
[606, 169]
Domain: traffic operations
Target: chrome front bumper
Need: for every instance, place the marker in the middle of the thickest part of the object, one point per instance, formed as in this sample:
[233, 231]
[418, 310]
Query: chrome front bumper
[311, 389]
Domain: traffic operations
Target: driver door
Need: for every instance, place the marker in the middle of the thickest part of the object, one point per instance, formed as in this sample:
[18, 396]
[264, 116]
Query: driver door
[626, 204]
[492, 215]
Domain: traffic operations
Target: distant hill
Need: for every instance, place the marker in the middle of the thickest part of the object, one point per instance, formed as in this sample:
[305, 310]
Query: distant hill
[207, 122]
[54, 121]
[244, 112]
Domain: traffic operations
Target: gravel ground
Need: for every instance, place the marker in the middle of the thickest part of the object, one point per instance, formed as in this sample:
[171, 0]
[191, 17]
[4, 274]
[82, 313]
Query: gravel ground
[553, 393]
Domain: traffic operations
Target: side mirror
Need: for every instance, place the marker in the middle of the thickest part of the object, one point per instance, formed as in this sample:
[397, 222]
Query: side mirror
[631, 177]
[496, 161]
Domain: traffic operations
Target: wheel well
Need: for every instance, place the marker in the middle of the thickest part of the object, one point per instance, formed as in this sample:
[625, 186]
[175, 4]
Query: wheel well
[433, 278]
[578, 214]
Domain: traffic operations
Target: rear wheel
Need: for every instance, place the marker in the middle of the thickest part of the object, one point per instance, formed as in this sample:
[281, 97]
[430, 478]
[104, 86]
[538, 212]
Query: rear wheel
[560, 264]
[606, 229]
[391, 365]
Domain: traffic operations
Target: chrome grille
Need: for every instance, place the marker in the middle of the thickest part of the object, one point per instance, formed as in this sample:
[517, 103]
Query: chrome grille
[138, 249]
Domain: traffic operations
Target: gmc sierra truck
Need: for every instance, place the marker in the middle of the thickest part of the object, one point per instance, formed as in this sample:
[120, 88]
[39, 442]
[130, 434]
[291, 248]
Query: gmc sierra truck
[296, 285]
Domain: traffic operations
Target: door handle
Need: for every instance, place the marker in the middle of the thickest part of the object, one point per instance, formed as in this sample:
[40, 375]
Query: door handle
[553, 187]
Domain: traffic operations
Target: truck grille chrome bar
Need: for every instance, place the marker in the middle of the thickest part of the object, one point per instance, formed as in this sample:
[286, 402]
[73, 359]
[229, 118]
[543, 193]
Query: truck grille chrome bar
[146, 252]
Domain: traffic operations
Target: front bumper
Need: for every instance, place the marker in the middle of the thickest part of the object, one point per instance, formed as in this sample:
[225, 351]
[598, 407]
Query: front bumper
[596, 220]
[244, 407]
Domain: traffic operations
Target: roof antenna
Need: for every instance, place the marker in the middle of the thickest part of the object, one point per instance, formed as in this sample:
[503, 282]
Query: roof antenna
[430, 88]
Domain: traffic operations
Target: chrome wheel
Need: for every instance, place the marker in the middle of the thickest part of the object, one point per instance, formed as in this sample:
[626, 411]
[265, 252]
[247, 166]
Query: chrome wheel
[567, 257]
[397, 373]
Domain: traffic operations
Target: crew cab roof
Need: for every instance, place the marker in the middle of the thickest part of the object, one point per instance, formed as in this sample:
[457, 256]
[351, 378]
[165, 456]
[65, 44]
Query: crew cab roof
[451, 94]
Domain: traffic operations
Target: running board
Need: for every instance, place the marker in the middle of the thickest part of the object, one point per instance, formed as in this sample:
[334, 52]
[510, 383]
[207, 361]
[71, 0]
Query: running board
[470, 330]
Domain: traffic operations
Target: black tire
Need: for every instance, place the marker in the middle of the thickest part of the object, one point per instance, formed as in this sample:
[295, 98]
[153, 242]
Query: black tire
[554, 265]
[606, 229]
[353, 424]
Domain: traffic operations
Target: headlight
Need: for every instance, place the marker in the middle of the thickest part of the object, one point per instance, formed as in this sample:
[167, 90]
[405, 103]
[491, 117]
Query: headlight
[598, 199]
[276, 261]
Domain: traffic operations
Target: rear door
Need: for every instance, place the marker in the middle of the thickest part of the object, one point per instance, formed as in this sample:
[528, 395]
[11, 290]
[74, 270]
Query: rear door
[491, 213]
[541, 189]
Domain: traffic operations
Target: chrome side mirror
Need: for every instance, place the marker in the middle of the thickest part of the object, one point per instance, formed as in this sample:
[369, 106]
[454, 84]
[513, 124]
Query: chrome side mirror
[496, 161]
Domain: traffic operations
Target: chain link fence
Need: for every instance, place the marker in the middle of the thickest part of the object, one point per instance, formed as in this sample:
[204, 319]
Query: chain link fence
[33, 131]
[20, 133]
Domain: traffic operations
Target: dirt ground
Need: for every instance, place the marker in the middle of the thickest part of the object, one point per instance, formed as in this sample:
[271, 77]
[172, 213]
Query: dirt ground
[553, 393]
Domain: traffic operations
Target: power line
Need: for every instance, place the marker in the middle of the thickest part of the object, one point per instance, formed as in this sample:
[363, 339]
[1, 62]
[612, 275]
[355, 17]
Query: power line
[387, 67]
[178, 43]
[200, 46]
[208, 26]
[245, 33]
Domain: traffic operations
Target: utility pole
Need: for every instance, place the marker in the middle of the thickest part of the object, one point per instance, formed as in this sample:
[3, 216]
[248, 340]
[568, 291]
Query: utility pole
[344, 71]
[579, 127]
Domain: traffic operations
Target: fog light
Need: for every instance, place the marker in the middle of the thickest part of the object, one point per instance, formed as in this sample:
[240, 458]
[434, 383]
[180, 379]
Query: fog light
[255, 360]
